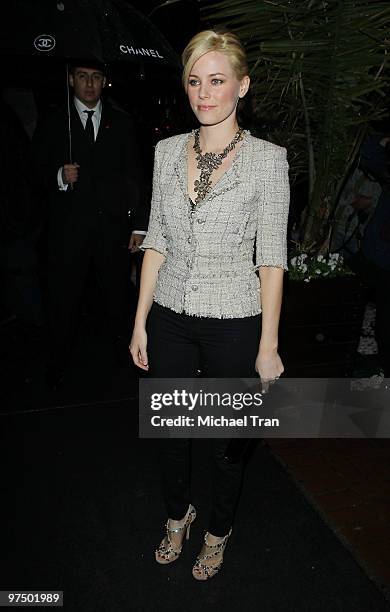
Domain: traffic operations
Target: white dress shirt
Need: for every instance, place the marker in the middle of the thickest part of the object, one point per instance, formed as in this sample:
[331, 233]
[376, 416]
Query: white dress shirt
[81, 109]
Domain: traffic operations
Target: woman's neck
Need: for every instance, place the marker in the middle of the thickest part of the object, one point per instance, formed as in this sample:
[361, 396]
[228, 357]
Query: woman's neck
[214, 138]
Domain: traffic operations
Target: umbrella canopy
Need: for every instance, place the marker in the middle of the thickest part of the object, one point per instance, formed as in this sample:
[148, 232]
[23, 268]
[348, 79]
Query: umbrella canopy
[103, 30]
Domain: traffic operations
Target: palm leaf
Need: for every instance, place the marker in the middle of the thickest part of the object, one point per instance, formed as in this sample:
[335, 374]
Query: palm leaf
[319, 74]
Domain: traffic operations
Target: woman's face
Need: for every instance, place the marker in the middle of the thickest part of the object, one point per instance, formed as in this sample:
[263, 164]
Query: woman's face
[213, 88]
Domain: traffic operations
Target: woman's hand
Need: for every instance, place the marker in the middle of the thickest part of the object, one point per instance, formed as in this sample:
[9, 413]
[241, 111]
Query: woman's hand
[269, 366]
[137, 348]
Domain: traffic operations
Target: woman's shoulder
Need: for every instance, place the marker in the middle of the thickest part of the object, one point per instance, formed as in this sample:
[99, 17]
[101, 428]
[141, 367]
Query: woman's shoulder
[172, 142]
[261, 146]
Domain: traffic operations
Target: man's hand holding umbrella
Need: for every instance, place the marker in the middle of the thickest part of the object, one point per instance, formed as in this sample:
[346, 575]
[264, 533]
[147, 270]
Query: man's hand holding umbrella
[70, 173]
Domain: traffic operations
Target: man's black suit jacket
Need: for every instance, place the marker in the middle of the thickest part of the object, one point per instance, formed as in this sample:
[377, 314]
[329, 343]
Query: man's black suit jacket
[110, 179]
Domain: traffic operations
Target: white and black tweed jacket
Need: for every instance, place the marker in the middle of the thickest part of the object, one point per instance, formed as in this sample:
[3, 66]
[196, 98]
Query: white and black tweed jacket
[209, 270]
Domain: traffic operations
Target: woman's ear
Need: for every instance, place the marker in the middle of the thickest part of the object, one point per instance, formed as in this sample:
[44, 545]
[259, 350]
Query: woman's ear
[244, 86]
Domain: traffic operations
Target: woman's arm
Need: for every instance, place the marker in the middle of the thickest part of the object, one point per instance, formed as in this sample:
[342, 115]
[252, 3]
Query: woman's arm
[268, 363]
[150, 266]
[156, 248]
[271, 257]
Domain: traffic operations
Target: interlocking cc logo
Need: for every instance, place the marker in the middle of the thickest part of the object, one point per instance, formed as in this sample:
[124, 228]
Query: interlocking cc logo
[45, 42]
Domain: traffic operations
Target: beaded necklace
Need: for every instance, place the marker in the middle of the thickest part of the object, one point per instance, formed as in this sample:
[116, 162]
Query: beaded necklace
[207, 162]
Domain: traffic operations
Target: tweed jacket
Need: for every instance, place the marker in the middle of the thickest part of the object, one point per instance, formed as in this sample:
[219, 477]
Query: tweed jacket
[211, 256]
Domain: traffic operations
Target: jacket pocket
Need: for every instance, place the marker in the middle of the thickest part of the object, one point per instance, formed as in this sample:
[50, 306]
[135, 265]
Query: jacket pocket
[236, 230]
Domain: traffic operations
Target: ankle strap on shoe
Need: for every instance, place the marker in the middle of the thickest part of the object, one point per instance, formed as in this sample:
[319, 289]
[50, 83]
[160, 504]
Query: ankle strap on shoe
[175, 529]
[191, 512]
[218, 544]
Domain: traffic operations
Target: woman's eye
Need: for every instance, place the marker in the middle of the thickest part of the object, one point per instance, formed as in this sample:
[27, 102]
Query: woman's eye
[193, 82]
[217, 81]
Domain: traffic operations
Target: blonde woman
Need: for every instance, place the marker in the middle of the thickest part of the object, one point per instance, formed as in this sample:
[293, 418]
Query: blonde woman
[220, 196]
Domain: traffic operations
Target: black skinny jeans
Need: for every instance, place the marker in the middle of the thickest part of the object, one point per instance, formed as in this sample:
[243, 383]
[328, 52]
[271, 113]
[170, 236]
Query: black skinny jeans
[179, 345]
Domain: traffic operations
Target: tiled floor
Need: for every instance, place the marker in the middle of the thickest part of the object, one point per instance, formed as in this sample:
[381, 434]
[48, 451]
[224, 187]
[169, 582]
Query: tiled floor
[348, 481]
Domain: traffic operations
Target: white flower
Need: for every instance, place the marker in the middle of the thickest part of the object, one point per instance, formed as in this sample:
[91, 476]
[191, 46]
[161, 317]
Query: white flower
[293, 261]
[320, 258]
[318, 271]
[306, 280]
[304, 267]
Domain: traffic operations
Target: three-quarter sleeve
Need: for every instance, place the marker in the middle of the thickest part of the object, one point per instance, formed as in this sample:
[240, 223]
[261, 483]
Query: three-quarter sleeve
[155, 238]
[274, 201]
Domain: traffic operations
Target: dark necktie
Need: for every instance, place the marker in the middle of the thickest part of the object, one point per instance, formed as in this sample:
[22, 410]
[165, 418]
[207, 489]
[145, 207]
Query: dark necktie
[89, 131]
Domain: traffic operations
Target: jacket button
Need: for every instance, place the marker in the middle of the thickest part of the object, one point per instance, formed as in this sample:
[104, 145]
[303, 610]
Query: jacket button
[194, 287]
[201, 220]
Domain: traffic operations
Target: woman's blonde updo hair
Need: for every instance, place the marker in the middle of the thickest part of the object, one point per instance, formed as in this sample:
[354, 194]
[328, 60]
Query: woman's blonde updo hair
[209, 40]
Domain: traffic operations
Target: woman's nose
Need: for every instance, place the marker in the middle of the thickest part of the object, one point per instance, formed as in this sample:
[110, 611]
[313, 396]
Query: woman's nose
[204, 92]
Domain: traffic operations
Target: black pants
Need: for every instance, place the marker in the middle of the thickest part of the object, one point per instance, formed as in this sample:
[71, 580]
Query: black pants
[75, 243]
[179, 345]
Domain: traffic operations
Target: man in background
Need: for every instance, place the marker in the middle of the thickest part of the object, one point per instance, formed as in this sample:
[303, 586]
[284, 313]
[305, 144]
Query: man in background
[93, 182]
[375, 261]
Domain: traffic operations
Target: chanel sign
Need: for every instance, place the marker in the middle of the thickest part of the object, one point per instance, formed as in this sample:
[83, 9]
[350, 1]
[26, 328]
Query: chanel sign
[45, 42]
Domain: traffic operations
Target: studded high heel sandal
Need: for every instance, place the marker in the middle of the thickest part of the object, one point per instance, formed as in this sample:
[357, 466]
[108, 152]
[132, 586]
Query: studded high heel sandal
[202, 571]
[168, 552]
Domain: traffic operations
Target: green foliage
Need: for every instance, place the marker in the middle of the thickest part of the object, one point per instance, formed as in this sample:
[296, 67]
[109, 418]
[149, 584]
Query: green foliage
[308, 267]
[319, 71]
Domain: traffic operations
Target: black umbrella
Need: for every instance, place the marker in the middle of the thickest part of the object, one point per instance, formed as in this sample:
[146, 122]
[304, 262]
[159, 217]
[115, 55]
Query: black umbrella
[104, 30]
